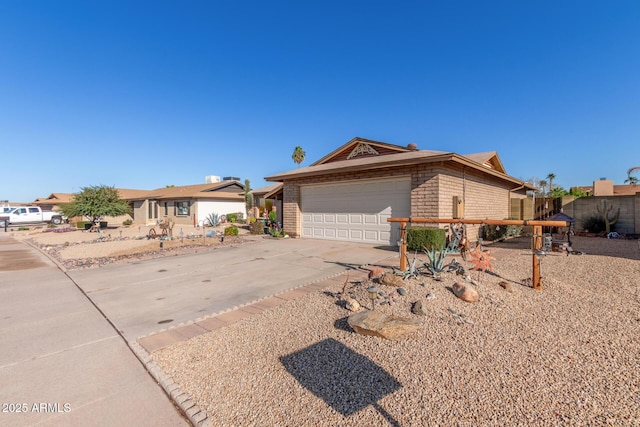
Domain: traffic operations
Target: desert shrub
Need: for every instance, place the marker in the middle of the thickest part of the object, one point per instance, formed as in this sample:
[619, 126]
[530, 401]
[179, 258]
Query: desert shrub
[252, 220]
[232, 217]
[420, 238]
[127, 222]
[594, 224]
[231, 230]
[256, 227]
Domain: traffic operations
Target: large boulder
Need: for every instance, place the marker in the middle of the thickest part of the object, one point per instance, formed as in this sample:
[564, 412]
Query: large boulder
[464, 292]
[378, 324]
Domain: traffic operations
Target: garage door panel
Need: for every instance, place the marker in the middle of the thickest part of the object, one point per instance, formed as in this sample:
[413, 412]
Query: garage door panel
[355, 234]
[371, 219]
[355, 219]
[356, 211]
[371, 235]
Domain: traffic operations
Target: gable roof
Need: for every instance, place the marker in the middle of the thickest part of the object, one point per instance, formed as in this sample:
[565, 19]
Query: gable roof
[361, 147]
[488, 159]
[267, 191]
[337, 161]
[55, 198]
[231, 190]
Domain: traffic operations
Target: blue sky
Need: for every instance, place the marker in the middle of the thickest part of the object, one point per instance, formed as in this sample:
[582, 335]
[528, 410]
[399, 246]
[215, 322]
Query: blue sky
[146, 94]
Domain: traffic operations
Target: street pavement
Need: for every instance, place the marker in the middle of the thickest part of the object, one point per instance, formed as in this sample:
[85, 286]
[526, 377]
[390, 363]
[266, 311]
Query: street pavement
[65, 358]
[61, 362]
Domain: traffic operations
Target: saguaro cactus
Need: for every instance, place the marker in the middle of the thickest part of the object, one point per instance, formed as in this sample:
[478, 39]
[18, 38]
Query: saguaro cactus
[605, 211]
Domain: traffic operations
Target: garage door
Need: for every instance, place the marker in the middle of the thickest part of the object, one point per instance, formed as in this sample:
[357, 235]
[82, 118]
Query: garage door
[356, 211]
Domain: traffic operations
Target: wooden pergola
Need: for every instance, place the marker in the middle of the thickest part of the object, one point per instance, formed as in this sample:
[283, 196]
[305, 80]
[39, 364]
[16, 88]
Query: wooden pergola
[536, 243]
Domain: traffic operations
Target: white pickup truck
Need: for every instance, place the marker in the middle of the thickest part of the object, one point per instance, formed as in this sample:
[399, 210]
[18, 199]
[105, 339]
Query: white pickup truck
[32, 215]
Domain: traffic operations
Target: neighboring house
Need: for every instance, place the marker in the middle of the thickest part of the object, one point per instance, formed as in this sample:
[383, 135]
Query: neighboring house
[605, 187]
[188, 204]
[53, 202]
[349, 193]
[267, 198]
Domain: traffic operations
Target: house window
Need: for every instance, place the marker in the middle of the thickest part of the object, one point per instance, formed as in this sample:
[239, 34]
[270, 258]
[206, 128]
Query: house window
[166, 209]
[182, 208]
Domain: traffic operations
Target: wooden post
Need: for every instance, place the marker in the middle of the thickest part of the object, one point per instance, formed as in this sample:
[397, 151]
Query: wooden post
[403, 246]
[536, 246]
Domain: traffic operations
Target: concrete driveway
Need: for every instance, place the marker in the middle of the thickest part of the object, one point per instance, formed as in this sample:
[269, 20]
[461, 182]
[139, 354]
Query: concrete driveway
[145, 297]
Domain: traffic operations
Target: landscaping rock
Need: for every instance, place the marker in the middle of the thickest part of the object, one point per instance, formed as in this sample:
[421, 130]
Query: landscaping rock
[376, 324]
[417, 309]
[375, 273]
[390, 279]
[351, 304]
[402, 291]
[431, 296]
[465, 293]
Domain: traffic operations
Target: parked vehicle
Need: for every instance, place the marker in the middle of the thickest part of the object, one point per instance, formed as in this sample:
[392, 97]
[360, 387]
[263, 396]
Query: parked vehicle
[32, 215]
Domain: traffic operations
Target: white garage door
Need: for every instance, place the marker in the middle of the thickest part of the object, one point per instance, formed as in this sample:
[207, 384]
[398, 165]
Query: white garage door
[356, 211]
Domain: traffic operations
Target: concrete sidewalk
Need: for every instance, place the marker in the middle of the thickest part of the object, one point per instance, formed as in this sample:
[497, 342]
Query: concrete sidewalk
[61, 361]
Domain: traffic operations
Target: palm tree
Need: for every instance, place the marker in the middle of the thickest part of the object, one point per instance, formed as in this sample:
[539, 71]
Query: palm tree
[551, 177]
[633, 180]
[298, 155]
[542, 184]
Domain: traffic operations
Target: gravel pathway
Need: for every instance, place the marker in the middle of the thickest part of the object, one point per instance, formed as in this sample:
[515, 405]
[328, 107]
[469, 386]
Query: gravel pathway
[566, 355]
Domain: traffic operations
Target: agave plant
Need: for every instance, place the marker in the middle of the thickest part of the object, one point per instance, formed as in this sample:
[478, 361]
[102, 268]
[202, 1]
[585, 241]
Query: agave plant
[435, 264]
[213, 219]
[413, 271]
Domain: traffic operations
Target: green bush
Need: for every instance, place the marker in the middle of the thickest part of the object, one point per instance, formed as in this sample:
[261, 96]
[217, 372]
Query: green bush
[420, 238]
[273, 216]
[127, 222]
[231, 217]
[256, 227]
[80, 224]
[594, 224]
[231, 230]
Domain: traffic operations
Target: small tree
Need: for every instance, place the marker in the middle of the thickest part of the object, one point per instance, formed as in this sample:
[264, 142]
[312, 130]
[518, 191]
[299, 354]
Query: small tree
[96, 202]
[298, 155]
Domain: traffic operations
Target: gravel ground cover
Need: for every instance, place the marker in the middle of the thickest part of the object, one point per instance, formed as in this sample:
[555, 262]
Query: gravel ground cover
[76, 249]
[566, 355]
